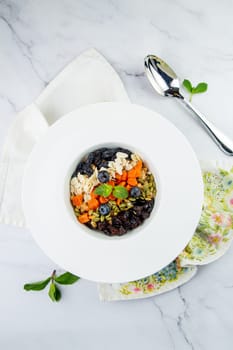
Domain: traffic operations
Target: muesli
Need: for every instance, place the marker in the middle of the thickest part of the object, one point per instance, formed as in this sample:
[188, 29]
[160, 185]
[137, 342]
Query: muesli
[112, 191]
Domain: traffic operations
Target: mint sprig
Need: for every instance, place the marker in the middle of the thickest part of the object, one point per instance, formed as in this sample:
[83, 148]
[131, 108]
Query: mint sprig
[200, 88]
[105, 190]
[54, 292]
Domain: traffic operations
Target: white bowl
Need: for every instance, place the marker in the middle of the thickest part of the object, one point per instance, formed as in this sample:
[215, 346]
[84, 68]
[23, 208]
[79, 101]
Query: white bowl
[91, 254]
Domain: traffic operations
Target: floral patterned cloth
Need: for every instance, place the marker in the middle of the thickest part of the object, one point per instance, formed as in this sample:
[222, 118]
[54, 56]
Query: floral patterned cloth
[210, 241]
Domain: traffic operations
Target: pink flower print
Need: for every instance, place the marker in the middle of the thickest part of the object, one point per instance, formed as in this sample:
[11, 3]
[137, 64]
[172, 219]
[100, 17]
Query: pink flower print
[215, 239]
[229, 201]
[136, 289]
[223, 220]
[218, 218]
[228, 221]
[150, 287]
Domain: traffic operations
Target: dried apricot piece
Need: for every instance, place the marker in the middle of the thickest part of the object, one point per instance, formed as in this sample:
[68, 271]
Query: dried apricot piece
[77, 200]
[93, 204]
[132, 173]
[83, 218]
[132, 181]
[103, 200]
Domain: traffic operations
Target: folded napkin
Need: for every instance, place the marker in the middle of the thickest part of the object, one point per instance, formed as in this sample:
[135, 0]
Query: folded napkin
[88, 79]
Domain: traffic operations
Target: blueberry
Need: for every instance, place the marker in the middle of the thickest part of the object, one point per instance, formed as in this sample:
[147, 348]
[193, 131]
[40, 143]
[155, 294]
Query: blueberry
[104, 209]
[135, 192]
[103, 176]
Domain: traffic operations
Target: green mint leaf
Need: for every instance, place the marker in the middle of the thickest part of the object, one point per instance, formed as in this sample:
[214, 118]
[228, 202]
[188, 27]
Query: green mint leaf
[66, 278]
[201, 87]
[188, 86]
[103, 190]
[37, 285]
[120, 192]
[54, 292]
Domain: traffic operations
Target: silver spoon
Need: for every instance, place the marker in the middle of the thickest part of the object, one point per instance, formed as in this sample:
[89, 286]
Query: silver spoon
[166, 83]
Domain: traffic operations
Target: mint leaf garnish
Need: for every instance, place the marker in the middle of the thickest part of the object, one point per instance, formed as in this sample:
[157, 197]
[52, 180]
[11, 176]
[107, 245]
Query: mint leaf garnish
[54, 292]
[187, 84]
[201, 87]
[103, 190]
[37, 285]
[66, 278]
[120, 192]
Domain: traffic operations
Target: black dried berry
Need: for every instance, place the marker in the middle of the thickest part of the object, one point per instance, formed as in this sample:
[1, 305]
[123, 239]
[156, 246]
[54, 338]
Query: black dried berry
[148, 206]
[121, 231]
[113, 230]
[103, 164]
[101, 225]
[134, 222]
[123, 215]
[138, 209]
[89, 225]
[109, 154]
[145, 215]
[116, 222]
[90, 158]
[84, 169]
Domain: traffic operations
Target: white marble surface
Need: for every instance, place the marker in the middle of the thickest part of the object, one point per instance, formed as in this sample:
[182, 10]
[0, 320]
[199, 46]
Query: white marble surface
[37, 38]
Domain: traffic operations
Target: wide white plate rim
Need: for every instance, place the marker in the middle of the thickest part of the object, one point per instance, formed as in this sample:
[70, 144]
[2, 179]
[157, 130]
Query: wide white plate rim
[110, 260]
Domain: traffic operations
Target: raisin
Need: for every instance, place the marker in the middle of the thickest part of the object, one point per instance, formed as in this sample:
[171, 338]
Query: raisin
[113, 230]
[145, 215]
[138, 209]
[116, 222]
[121, 231]
[103, 164]
[101, 225]
[148, 206]
[90, 158]
[109, 154]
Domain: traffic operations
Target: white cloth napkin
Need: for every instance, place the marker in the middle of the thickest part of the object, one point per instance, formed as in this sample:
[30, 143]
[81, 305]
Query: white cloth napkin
[88, 79]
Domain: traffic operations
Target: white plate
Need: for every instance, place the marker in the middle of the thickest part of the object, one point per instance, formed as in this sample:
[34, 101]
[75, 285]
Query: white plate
[92, 255]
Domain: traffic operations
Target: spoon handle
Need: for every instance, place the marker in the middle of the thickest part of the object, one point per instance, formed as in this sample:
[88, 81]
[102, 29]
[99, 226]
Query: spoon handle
[223, 141]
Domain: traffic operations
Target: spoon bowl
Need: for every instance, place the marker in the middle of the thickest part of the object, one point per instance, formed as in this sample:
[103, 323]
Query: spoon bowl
[161, 76]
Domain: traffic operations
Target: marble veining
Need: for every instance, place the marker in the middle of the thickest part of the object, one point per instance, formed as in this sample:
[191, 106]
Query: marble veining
[37, 39]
